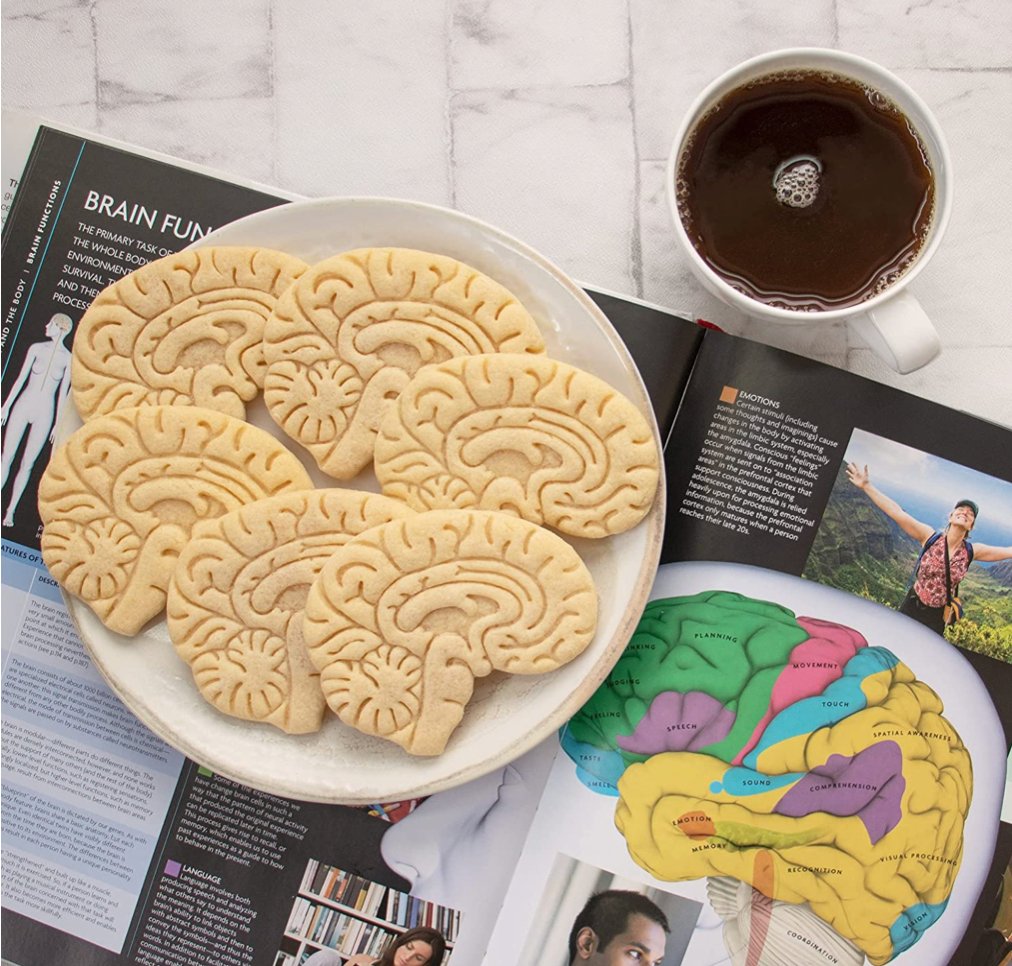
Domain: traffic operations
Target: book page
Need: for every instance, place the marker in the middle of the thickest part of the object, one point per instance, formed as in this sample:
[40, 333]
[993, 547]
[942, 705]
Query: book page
[86, 788]
[763, 757]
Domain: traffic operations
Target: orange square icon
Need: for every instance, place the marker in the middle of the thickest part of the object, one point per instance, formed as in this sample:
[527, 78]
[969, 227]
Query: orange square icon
[729, 395]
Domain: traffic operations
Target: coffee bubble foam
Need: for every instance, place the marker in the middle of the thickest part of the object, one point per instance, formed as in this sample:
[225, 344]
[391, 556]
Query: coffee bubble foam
[797, 181]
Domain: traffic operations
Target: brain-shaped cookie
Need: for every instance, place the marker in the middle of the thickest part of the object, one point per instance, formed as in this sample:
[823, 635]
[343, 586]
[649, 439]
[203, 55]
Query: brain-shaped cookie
[404, 617]
[845, 789]
[120, 498]
[237, 594]
[186, 329]
[523, 434]
[350, 334]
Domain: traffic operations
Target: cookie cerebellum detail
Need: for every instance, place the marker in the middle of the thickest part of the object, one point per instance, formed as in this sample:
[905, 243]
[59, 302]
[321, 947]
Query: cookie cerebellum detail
[404, 617]
[788, 754]
[350, 334]
[120, 498]
[523, 434]
[237, 595]
[186, 329]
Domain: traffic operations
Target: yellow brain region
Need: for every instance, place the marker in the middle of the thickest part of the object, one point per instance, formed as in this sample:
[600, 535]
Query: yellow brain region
[847, 791]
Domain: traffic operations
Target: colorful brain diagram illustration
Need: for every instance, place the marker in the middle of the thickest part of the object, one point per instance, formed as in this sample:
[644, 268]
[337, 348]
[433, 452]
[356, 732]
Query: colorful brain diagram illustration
[785, 752]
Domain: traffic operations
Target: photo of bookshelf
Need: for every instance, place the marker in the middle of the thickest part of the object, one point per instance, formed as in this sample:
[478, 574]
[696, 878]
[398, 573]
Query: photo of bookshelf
[351, 915]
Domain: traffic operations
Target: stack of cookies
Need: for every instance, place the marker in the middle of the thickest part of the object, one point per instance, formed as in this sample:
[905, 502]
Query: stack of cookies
[287, 599]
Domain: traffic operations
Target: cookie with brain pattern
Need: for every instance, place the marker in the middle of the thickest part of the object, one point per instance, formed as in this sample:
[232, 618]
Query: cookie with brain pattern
[120, 498]
[237, 595]
[524, 434]
[346, 338]
[404, 617]
[186, 329]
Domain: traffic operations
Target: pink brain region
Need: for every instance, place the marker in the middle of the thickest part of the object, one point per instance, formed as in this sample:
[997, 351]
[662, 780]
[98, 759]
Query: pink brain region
[784, 752]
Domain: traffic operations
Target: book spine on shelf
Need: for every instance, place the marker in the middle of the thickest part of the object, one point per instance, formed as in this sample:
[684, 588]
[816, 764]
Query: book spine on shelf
[307, 879]
[320, 877]
[297, 918]
[332, 927]
[376, 894]
[340, 888]
[320, 919]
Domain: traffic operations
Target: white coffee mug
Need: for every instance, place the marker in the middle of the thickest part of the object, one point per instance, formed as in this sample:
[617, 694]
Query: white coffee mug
[892, 323]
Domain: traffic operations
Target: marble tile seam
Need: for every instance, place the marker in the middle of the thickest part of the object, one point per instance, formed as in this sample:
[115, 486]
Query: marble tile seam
[93, 21]
[540, 88]
[272, 66]
[960, 70]
[448, 127]
[636, 229]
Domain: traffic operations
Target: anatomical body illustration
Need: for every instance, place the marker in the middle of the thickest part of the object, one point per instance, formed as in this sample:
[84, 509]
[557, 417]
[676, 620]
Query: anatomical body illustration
[787, 753]
[33, 406]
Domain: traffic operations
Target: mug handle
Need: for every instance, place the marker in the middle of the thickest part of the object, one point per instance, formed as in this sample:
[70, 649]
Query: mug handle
[899, 332]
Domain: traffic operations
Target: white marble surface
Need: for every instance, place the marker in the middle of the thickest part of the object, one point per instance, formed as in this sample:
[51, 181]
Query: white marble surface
[551, 119]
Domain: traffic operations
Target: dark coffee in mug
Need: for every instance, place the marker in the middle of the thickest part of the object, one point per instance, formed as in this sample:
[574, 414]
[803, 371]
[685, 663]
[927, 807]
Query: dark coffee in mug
[806, 190]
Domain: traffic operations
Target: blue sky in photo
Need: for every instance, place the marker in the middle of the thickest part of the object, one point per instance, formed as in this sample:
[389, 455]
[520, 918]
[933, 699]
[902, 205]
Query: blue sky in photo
[928, 486]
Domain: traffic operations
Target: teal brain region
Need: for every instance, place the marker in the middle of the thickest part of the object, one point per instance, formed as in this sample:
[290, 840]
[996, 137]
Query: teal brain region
[786, 752]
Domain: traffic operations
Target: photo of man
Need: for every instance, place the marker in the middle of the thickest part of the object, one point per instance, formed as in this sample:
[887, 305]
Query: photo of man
[593, 916]
[619, 927]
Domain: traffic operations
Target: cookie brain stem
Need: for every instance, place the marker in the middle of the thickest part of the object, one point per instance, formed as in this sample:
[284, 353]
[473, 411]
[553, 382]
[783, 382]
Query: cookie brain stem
[346, 338]
[405, 616]
[786, 753]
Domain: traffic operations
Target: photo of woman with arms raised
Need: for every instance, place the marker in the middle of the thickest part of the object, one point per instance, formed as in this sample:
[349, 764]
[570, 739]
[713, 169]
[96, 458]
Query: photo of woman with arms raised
[945, 555]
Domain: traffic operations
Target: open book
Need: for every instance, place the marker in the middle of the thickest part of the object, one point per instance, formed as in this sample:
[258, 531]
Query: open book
[784, 765]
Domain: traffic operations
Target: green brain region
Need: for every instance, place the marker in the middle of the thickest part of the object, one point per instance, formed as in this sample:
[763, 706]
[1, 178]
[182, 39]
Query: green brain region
[786, 752]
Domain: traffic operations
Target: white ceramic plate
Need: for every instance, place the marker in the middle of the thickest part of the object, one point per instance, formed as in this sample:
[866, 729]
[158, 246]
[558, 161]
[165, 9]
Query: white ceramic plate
[507, 715]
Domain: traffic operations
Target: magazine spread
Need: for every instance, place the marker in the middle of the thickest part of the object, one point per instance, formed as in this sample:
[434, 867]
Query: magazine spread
[782, 763]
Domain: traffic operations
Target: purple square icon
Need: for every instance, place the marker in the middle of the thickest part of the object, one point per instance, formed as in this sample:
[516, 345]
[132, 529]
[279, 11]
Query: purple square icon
[173, 868]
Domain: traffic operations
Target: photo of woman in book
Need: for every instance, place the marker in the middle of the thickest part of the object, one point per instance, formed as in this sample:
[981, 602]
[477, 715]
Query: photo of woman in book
[932, 597]
[420, 946]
